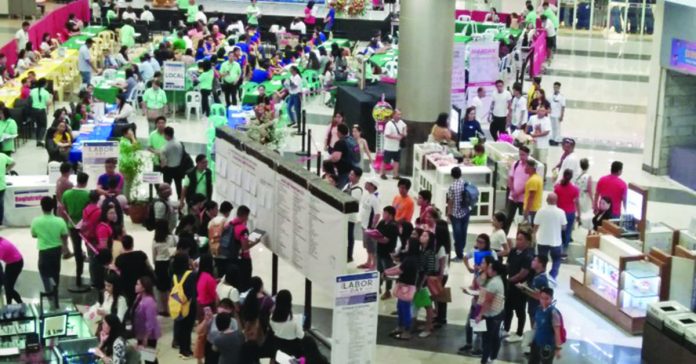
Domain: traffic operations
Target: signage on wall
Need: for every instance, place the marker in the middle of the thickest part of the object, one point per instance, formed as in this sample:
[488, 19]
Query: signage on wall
[683, 56]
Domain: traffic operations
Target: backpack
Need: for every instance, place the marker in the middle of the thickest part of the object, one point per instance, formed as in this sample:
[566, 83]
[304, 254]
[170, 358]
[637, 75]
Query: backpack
[354, 147]
[179, 304]
[151, 222]
[470, 196]
[562, 329]
[230, 247]
[186, 163]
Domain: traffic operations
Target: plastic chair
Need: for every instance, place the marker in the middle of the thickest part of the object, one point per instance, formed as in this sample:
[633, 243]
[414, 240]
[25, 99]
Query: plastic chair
[193, 101]
[247, 88]
[464, 18]
[218, 110]
[493, 31]
[137, 92]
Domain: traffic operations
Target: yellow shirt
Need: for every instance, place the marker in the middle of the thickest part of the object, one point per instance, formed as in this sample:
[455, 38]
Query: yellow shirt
[534, 184]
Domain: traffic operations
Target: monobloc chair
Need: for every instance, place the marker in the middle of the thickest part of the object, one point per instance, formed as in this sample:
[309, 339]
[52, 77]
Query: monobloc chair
[193, 101]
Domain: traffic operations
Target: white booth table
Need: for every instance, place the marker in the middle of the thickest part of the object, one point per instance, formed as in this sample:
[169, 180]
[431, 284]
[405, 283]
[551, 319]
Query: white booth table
[23, 198]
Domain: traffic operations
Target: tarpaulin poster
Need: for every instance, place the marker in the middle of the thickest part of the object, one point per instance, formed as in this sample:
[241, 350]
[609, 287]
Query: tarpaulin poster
[683, 56]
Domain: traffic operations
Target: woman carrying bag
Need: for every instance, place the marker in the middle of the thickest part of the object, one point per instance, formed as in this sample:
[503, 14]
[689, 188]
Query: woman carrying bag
[405, 288]
[428, 271]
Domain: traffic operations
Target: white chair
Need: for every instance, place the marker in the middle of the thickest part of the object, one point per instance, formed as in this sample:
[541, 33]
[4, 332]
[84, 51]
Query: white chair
[488, 36]
[193, 101]
[493, 31]
[464, 18]
[137, 92]
[391, 69]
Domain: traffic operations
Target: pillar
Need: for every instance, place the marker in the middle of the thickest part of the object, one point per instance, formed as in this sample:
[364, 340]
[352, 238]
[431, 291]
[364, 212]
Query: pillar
[426, 34]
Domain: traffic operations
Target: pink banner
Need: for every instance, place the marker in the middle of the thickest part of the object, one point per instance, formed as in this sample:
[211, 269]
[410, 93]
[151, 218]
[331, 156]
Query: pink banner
[540, 54]
[480, 16]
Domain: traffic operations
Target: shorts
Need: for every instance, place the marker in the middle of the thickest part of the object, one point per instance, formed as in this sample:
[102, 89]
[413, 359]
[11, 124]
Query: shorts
[390, 156]
[369, 243]
[551, 43]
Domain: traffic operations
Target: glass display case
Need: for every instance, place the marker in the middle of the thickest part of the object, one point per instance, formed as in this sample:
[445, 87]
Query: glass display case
[640, 283]
[602, 274]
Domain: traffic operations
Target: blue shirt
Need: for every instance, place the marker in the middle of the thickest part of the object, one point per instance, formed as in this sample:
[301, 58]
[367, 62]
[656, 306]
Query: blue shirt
[544, 321]
[259, 75]
[322, 39]
[538, 282]
[146, 71]
[130, 85]
[470, 129]
[243, 46]
[83, 59]
[332, 17]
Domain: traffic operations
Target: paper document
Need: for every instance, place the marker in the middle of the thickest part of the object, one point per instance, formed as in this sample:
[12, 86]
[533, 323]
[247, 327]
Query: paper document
[478, 327]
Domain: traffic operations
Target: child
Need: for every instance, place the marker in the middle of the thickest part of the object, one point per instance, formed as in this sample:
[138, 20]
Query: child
[364, 148]
[476, 285]
[499, 242]
[480, 157]
[482, 250]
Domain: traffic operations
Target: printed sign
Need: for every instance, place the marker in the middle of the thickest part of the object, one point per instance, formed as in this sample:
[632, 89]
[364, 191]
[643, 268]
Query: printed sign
[152, 177]
[459, 76]
[174, 76]
[354, 332]
[30, 198]
[94, 154]
[683, 56]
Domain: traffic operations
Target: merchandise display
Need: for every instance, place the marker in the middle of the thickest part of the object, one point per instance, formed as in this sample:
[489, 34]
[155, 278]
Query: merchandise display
[504, 155]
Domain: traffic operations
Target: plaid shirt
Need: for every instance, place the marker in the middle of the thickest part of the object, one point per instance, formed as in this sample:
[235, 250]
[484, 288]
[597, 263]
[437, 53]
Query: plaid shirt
[455, 194]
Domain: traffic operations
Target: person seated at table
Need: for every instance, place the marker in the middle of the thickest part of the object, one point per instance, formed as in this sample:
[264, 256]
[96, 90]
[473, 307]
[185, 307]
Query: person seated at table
[188, 59]
[374, 47]
[262, 98]
[110, 61]
[48, 44]
[131, 83]
[129, 13]
[60, 116]
[440, 132]
[62, 140]
[261, 74]
[178, 42]
[111, 14]
[110, 173]
[146, 70]
[313, 63]
[26, 88]
[81, 115]
[217, 35]
[147, 15]
[34, 56]
[123, 110]
[317, 37]
[73, 25]
[164, 53]
[5, 71]
[492, 16]
[121, 57]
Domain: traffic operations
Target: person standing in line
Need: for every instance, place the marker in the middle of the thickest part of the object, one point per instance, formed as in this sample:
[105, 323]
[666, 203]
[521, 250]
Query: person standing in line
[500, 109]
[569, 201]
[547, 25]
[154, 103]
[547, 342]
[40, 101]
[569, 160]
[170, 159]
[231, 72]
[457, 213]
[425, 208]
[403, 203]
[133, 265]
[75, 201]
[9, 127]
[215, 228]
[477, 103]
[538, 280]
[205, 82]
[253, 14]
[84, 62]
[558, 106]
[493, 300]
[519, 108]
[184, 281]
[369, 217]
[533, 192]
[344, 154]
[51, 233]
[157, 142]
[294, 87]
[330, 17]
[614, 187]
[10, 255]
[332, 132]
[541, 132]
[165, 209]
[548, 226]
[394, 134]
[197, 181]
[517, 179]
[146, 328]
[584, 183]
[386, 244]
[354, 190]
[444, 252]
[519, 265]
[6, 164]
[241, 235]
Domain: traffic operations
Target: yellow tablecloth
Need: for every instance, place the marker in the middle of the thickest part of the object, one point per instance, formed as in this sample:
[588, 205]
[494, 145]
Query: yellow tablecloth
[48, 68]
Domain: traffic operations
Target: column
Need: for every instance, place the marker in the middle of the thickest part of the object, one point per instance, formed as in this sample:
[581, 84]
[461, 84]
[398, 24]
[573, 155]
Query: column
[426, 33]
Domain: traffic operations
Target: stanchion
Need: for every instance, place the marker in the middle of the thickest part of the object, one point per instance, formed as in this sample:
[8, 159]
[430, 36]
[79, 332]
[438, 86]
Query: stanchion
[307, 325]
[302, 131]
[274, 274]
[319, 164]
[309, 149]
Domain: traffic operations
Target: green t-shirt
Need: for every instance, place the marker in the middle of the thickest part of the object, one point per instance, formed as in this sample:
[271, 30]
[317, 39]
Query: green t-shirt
[200, 182]
[552, 16]
[231, 70]
[531, 18]
[8, 128]
[127, 35]
[157, 142]
[111, 15]
[252, 14]
[206, 80]
[182, 4]
[154, 99]
[479, 160]
[75, 200]
[191, 14]
[48, 230]
[179, 44]
[39, 98]
[4, 162]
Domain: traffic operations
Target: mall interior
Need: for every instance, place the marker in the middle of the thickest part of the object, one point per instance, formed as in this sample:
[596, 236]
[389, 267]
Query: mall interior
[619, 78]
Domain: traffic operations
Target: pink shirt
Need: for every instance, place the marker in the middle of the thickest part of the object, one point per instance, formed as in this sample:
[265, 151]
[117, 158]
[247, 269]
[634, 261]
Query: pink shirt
[566, 197]
[205, 288]
[615, 188]
[520, 177]
[8, 252]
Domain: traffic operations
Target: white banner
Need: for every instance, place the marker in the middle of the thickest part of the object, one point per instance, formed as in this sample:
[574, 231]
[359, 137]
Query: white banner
[94, 154]
[174, 76]
[483, 70]
[459, 76]
[355, 313]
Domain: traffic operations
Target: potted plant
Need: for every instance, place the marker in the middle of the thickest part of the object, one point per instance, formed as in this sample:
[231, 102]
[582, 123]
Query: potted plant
[131, 163]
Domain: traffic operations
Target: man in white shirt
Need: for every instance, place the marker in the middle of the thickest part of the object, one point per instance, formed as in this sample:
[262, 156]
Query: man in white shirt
[369, 216]
[550, 29]
[146, 71]
[129, 13]
[155, 65]
[549, 222]
[84, 62]
[299, 26]
[500, 109]
[569, 160]
[558, 104]
[200, 16]
[394, 132]
[354, 190]
[477, 103]
[147, 15]
[519, 108]
[22, 36]
[541, 132]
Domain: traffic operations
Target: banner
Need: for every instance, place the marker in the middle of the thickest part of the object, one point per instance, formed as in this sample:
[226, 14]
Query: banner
[483, 71]
[30, 197]
[94, 154]
[355, 312]
[540, 54]
[459, 75]
[683, 56]
[174, 76]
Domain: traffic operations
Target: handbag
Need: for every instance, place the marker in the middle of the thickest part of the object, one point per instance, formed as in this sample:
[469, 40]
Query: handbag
[394, 271]
[402, 141]
[445, 296]
[434, 285]
[404, 292]
[422, 298]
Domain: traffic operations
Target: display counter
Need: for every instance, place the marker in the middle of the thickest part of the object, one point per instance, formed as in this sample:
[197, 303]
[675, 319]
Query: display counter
[432, 167]
[669, 335]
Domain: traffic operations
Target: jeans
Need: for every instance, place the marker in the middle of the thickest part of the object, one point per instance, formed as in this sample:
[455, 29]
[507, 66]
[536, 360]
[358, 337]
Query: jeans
[182, 331]
[441, 307]
[511, 208]
[205, 102]
[539, 355]
[79, 254]
[39, 116]
[568, 231]
[295, 107]
[86, 77]
[555, 252]
[515, 303]
[403, 309]
[245, 271]
[384, 262]
[230, 91]
[497, 126]
[170, 174]
[12, 271]
[49, 268]
[491, 338]
[351, 240]
[459, 228]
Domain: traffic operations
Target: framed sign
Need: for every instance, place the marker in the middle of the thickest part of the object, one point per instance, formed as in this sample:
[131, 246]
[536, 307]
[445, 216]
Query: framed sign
[174, 76]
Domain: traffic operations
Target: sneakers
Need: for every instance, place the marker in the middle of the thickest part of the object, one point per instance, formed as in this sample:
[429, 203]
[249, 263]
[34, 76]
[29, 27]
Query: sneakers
[424, 334]
[464, 349]
[514, 338]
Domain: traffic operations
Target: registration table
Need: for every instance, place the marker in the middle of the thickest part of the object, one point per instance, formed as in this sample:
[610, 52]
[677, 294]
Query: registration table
[23, 198]
[76, 41]
[89, 132]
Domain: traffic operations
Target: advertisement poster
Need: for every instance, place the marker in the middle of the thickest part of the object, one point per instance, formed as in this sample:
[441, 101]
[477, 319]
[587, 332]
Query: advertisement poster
[459, 75]
[94, 154]
[354, 333]
[683, 56]
[483, 71]
[174, 76]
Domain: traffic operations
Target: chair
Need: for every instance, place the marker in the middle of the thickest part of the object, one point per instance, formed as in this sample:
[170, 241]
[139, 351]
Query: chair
[135, 95]
[464, 18]
[193, 101]
[391, 68]
[248, 87]
[218, 110]
[493, 31]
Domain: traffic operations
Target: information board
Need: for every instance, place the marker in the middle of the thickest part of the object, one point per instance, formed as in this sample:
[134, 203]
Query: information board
[459, 75]
[483, 71]
[355, 314]
[174, 76]
[94, 154]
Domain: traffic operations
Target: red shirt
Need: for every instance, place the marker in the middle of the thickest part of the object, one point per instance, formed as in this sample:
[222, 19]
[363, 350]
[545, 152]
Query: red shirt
[205, 288]
[24, 93]
[615, 188]
[240, 232]
[566, 197]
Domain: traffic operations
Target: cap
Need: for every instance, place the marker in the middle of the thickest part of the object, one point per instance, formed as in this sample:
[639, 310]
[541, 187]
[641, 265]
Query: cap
[570, 141]
[374, 182]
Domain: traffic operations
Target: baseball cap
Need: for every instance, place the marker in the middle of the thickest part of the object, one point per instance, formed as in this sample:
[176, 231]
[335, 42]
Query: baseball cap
[374, 182]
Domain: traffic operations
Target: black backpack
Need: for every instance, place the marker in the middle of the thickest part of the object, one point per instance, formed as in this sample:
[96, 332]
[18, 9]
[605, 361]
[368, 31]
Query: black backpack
[186, 163]
[229, 245]
[150, 222]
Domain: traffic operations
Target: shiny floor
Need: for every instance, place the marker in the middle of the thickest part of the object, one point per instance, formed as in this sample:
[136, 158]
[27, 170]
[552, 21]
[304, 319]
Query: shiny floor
[604, 79]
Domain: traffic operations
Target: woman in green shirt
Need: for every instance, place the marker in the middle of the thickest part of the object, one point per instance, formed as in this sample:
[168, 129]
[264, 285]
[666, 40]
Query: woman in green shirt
[40, 100]
[8, 132]
[205, 82]
[253, 13]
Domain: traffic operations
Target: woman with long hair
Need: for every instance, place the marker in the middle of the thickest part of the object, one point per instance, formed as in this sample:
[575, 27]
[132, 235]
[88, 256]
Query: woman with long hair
[408, 277]
[206, 293]
[122, 56]
[568, 201]
[287, 331]
[443, 243]
[112, 302]
[492, 300]
[428, 267]
[440, 133]
[62, 139]
[123, 109]
[146, 328]
[164, 242]
[604, 213]
[112, 343]
[470, 127]
[110, 227]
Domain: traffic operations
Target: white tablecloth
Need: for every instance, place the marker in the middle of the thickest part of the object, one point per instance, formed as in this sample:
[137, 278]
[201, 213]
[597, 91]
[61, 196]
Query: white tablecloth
[23, 198]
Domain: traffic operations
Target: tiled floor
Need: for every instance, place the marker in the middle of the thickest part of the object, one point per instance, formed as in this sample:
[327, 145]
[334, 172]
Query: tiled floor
[604, 80]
